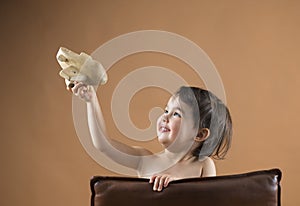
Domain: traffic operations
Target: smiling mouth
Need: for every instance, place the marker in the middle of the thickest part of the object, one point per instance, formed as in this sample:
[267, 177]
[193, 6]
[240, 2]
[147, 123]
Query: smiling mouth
[163, 129]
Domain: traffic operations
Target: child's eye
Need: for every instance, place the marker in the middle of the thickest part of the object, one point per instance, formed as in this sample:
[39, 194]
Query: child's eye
[166, 111]
[176, 114]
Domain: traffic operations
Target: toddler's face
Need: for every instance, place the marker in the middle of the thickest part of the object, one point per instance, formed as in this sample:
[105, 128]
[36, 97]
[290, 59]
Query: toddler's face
[176, 123]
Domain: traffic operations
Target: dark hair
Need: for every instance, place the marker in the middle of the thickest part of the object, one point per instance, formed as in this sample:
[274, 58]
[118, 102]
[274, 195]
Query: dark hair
[209, 112]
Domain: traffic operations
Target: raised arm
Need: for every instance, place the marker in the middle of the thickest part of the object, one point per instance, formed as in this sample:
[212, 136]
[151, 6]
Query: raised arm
[115, 150]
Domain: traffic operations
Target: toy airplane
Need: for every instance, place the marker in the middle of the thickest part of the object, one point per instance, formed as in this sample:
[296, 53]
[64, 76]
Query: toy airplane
[80, 68]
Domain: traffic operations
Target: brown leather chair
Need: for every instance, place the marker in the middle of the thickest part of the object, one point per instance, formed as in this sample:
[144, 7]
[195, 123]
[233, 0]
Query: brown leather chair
[259, 188]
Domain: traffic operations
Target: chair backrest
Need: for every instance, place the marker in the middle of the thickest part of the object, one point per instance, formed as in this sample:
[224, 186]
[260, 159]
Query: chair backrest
[259, 188]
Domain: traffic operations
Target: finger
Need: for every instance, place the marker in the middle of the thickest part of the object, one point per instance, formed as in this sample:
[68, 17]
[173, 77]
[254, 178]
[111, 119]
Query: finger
[77, 87]
[161, 183]
[167, 180]
[85, 94]
[152, 178]
[156, 183]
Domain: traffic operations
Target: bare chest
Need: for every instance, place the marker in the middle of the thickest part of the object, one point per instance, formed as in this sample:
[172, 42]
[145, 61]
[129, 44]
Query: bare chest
[185, 170]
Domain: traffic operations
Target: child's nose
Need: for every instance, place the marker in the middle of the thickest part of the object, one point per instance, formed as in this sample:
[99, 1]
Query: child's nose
[165, 118]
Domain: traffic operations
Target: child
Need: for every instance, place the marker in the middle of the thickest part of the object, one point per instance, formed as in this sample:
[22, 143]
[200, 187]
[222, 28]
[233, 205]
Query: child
[194, 127]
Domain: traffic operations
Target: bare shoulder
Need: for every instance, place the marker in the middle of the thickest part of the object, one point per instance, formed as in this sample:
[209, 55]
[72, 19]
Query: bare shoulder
[208, 162]
[208, 168]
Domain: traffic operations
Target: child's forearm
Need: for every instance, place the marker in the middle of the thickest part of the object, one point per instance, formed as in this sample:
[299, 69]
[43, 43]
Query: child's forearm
[96, 125]
[117, 151]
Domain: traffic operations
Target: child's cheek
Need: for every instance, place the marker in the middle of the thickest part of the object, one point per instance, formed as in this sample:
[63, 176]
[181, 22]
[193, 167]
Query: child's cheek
[175, 128]
[158, 122]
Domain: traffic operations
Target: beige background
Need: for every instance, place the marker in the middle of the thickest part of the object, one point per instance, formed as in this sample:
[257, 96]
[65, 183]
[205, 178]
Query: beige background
[254, 45]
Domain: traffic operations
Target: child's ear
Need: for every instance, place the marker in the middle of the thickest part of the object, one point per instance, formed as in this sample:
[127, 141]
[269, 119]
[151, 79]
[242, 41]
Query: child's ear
[203, 134]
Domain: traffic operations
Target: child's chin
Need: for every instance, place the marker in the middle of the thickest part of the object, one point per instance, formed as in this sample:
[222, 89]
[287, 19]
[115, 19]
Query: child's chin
[163, 141]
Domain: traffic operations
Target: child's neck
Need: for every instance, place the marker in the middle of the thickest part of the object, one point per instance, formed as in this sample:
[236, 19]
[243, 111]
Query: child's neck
[178, 156]
[188, 157]
[185, 155]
